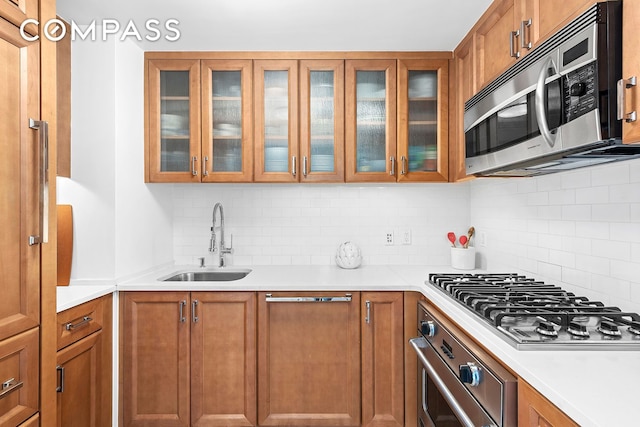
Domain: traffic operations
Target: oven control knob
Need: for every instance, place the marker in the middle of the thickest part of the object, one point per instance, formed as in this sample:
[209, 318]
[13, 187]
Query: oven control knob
[427, 328]
[470, 374]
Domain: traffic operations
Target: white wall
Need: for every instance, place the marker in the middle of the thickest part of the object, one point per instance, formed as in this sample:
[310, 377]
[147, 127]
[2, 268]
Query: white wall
[121, 225]
[304, 224]
[91, 191]
[579, 229]
[143, 237]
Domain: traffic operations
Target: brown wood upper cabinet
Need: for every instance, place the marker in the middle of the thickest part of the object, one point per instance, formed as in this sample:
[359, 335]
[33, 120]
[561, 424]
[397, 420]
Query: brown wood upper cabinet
[423, 107]
[198, 120]
[370, 129]
[172, 138]
[509, 29]
[322, 120]
[631, 69]
[16, 11]
[227, 121]
[188, 359]
[276, 120]
[357, 117]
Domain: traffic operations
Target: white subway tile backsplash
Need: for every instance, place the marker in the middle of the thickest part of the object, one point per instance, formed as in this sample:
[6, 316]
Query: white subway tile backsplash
[303, 225]
[582, 229]
[592, 195]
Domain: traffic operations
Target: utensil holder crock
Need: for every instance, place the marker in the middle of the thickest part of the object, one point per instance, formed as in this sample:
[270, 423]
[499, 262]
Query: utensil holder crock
[463, 258]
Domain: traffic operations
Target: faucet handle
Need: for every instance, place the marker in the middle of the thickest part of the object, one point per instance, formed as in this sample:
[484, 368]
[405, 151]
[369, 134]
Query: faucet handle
[201, 259]
[228, 250]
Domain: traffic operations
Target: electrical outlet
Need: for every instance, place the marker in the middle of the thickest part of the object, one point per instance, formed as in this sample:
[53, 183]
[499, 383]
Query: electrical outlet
[405, 236]
[482, 239]
[388, 238]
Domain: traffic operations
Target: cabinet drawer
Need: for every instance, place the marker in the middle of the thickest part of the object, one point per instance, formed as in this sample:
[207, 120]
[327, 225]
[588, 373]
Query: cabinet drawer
[79, 322]
[19, 378]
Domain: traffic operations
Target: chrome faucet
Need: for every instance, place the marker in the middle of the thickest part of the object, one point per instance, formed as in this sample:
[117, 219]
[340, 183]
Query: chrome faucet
[212, 243]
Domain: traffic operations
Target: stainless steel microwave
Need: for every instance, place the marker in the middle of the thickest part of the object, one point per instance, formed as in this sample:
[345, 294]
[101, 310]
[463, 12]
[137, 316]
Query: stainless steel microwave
[555, 109]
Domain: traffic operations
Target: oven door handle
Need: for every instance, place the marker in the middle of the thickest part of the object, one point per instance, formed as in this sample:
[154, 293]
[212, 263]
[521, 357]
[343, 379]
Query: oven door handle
[418, 344]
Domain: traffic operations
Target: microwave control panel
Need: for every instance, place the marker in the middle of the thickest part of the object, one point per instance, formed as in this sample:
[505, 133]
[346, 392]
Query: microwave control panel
[580, 89]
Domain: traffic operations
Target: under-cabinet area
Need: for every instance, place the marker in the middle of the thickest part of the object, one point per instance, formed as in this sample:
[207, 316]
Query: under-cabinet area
[296, 117]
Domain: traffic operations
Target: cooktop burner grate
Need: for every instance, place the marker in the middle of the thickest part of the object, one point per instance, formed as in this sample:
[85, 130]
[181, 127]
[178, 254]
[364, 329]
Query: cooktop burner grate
[534, 315]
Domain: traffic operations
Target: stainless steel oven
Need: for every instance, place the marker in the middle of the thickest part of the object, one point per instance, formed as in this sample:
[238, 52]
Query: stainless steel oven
[459, 384]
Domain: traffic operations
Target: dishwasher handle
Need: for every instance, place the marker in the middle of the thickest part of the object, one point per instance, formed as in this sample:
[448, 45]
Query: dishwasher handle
[271, 298]
[418, 344]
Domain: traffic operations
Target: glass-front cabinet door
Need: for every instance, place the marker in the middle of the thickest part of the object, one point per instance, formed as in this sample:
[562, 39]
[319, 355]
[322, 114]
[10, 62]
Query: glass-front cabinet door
[276, 121]
[322, 120]
[422, 120]
[370, 128]
[227, 154]
[173, 121]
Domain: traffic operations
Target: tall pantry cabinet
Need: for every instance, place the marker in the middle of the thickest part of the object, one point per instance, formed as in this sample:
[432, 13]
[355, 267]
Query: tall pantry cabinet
[27, 247]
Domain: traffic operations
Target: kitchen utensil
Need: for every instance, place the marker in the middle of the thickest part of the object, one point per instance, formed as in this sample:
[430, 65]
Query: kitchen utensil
[452, 238]
[470, 234]
[464, 241]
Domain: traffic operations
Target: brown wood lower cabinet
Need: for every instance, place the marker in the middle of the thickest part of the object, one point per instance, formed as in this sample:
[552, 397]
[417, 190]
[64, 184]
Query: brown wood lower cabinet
[382, 359]
[19, 370]
[534, 410]
[84, 365]
[247, 359]
[309, 359]
[188, 359]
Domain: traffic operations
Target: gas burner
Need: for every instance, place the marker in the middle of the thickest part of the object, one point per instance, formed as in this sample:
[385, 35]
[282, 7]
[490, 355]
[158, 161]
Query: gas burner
[531, 314]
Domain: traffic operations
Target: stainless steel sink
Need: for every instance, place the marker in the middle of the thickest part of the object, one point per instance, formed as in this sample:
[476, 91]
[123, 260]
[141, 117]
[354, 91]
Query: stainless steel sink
[207, 276]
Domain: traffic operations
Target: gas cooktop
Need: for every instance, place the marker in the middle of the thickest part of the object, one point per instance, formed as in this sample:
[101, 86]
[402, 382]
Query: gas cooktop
[532, 315]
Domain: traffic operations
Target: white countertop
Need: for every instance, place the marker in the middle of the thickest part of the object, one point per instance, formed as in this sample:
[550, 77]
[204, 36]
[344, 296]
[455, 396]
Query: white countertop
[76, 294]
[595, 388]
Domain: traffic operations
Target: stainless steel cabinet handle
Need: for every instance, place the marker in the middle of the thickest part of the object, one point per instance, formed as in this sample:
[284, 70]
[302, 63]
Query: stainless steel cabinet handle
[84, 322]
[512, 44]
[367, 317]
[392, 160]
[304, 165]
[418, 344]
[194, 316]
[294, 165]
[9, 386]
[205, 172]
[623, 85]
[60, 371]
[270, 298]
[43, 131]
[194, 171]
[403, 162]
[183, 319]
[523, 43]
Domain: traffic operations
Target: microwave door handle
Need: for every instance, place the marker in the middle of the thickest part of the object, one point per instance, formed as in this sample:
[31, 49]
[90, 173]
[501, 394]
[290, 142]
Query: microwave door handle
[541, 102]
